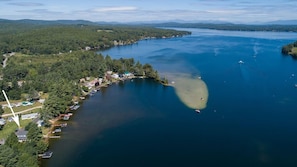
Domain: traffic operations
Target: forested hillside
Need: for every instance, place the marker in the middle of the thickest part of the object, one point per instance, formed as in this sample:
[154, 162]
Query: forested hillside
[57, 38]
[231, 27]
[52, 59]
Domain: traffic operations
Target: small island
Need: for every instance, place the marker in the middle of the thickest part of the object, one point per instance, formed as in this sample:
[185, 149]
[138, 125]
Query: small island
[290, 49]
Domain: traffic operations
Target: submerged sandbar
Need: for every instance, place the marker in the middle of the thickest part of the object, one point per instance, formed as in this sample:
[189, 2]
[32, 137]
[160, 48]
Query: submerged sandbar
[192, 91]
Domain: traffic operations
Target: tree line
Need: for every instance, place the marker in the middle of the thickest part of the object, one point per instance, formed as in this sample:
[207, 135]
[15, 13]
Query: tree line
[231, 27]
[289, 49]
[61, 38]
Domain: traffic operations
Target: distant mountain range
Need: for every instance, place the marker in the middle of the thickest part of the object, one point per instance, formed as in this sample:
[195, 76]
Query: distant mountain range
[48, 22]
[279, 25]
[277, 22]
[283, 22]
[69, 22]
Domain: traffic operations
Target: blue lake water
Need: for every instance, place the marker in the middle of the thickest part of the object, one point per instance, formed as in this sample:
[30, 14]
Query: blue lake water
[250, 119]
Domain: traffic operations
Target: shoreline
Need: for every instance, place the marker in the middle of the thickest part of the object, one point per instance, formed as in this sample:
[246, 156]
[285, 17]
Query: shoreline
[55, 121]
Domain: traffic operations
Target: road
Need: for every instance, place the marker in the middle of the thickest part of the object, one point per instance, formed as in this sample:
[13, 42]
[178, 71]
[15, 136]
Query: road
[20, 112]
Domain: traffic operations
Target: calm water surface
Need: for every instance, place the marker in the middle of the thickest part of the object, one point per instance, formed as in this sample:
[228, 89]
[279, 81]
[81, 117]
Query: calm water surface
[250, 119]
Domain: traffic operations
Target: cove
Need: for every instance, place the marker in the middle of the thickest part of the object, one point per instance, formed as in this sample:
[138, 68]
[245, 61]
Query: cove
[249, 120]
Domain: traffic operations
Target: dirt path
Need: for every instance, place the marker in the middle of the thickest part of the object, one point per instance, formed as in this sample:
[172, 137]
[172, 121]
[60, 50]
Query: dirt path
[20, 112]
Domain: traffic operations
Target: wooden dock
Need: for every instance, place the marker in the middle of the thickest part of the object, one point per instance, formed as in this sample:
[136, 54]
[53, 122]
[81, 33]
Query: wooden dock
[54, 137]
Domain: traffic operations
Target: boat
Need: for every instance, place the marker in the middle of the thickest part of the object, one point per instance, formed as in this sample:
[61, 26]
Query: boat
[66, 117]
[197, 111]
[63, 125]
[57, 130]
[47, 154]
[240, 62]
[74, 107]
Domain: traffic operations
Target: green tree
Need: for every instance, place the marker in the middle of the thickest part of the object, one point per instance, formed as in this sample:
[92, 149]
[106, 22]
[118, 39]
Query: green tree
[34, 132]
[12, 141]
[1, 110]
[8, 157]
[26, 159]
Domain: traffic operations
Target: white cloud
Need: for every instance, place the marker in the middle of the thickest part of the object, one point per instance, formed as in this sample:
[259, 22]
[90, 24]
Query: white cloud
[225, 11]
[31, 4]
[115, 9]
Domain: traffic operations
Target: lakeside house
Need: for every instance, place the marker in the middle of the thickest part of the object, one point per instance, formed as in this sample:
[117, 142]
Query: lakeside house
[40, 123]
[29, 116]
[115, 76]
[21, 135]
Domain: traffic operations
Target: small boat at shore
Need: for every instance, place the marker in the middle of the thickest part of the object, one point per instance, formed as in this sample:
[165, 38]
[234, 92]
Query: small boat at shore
[240, 62]
[58, 130]
[197, 111]
[74, 107]
[47, 155]
[63, 125]
[66, 117]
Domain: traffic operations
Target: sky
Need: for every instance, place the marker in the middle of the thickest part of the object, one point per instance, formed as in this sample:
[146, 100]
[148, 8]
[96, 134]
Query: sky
[235, 11]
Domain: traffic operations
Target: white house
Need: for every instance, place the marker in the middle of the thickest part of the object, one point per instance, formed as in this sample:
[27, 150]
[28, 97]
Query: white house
[29, 116]
[115, 76]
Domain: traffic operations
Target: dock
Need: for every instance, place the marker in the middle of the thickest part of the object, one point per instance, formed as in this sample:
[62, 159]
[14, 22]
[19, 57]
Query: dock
[54, 137]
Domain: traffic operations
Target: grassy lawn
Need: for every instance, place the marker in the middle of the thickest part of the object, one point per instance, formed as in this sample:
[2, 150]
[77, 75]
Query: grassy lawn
[10, 127]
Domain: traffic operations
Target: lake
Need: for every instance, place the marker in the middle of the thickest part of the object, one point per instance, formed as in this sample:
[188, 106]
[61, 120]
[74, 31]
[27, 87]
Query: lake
[250, 118]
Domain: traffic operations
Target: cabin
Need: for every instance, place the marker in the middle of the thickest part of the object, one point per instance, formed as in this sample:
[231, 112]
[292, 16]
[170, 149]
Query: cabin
[21, 135]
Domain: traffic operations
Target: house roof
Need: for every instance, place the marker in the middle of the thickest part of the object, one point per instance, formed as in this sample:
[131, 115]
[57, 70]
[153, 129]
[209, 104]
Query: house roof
[28, 116]
[21, 132]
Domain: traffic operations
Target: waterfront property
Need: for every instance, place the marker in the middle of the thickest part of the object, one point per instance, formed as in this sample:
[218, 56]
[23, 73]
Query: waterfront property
[21, 135]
